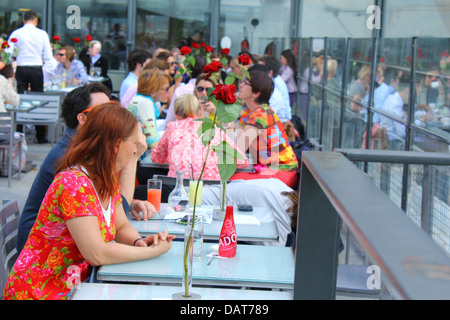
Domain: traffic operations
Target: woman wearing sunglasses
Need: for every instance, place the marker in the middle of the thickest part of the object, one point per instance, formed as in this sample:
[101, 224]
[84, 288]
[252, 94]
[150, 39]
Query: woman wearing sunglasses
[207, 108]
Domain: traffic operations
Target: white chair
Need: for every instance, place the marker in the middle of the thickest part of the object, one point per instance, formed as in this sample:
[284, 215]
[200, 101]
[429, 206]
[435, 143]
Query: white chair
[47, 115]
[9, 224]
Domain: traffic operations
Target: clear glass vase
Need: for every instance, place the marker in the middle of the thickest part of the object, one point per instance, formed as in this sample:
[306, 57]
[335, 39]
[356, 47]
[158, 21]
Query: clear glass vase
[179, 199]
[188, 255]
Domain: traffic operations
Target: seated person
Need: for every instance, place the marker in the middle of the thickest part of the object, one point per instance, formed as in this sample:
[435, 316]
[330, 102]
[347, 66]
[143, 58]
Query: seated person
[263, 134]
[74, 107]
[181, 147]
[153, 86]
[81, 222]
[137, 60]
[266, 193]
[69, 70]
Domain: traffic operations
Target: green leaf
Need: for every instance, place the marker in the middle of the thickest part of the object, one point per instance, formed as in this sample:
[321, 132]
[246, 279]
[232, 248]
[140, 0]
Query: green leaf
[246, 74]
[226, 171]
[229, 80]
[227, 112]
[206, 125]
[224, 61]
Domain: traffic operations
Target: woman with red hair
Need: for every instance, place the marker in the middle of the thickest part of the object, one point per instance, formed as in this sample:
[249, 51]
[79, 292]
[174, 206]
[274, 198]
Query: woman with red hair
[82, 213]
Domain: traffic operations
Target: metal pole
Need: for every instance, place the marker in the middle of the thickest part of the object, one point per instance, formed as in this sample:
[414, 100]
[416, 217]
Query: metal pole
[343, 89]
[324, 83]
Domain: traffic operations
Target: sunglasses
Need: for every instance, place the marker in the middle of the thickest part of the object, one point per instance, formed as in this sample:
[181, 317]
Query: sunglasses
[173, 63]
[61, 54]
[201, 89]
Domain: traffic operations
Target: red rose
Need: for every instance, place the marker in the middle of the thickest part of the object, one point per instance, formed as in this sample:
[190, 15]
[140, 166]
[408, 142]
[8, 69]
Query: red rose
[226, 51]
[209, 49]
[225, 93]
[195, 45]
[88, 37]
[358, 55]
[244, 59]
[56, 38]
[382, 59]
[5, 45]
[185, 50]
[419, 53]
[214, 66]
[77, 40]
[203, 45]
[13, 40]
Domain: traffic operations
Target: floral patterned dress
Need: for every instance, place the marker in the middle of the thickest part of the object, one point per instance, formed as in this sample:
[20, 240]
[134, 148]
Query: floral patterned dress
[50, 263]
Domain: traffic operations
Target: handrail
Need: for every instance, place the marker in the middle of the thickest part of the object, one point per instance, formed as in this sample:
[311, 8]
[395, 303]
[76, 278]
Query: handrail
[391, 156]
[333, 189]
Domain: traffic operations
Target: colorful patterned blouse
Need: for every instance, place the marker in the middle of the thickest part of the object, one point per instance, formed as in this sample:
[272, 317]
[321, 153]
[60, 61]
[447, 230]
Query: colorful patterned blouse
[50, 263]
[180, 145]
[273, 144]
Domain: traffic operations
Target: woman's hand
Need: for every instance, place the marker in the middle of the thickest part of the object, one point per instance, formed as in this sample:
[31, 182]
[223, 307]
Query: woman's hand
[156, 239]
[147, 209]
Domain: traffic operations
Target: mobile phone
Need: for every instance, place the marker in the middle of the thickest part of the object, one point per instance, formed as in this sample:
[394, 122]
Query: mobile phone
[245, 207]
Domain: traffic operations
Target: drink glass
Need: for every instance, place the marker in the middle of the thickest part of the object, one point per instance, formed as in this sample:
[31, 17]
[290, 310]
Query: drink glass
[154, 192]
[192, 188]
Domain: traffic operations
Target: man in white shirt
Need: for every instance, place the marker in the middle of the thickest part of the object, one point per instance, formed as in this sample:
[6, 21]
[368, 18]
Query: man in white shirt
[34, 45]
[35, 50]
[136, 60]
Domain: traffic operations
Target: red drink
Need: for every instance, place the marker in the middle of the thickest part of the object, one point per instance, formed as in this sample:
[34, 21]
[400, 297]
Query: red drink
[228, 237]
[154, 197]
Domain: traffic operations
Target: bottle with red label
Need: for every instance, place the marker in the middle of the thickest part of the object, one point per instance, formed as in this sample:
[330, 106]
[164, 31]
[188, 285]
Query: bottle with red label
[228, 237]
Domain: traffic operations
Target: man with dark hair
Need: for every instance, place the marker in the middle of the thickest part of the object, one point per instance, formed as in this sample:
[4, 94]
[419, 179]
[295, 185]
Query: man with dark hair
[75, 107]
[200, 62]
[34, 45]
[384, 90]
[137, 59]
[274, 66]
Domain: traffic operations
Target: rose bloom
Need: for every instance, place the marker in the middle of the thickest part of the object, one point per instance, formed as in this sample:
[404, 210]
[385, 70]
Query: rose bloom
[185, 50]
[203, 45]
[5, 45]
[244, 59]
[195, 45]
[77, 40]
[225, 93]
[88, 37]
[56, 38]
[226, 51]
[209, 49]
[13, 40]
[214, 66]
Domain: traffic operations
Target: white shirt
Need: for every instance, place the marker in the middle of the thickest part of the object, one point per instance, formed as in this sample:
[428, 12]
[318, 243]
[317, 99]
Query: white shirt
[278, 106]
[393, 105]
[34, 46]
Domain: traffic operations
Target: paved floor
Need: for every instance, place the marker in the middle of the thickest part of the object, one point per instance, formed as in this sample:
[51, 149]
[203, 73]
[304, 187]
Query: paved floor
[19, 189]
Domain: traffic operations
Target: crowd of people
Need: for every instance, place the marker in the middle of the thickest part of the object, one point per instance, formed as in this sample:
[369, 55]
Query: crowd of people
[87, 184]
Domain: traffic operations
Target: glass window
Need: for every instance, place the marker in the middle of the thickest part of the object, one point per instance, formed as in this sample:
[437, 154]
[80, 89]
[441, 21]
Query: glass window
[261, 26]
[423, 18]
[335, 18]
[167, 24]
[109, 27]
[11, 15]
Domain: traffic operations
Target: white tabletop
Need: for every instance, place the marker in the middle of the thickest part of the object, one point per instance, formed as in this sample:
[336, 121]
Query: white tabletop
[253, 266]
[115, 291]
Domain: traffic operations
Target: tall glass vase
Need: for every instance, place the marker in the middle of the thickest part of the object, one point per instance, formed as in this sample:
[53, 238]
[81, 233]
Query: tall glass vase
[187, 264]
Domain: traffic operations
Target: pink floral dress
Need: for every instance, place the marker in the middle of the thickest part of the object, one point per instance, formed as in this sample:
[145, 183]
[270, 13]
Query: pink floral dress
[50, 263]
[180, 146]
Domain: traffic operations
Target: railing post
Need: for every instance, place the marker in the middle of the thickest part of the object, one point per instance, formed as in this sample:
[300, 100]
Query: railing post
[318, 226]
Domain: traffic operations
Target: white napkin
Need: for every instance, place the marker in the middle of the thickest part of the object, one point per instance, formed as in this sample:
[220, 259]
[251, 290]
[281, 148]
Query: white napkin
[246, 219]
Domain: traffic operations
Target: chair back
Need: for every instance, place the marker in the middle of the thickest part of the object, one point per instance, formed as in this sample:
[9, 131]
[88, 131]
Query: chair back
[9, 224]
[5, 127]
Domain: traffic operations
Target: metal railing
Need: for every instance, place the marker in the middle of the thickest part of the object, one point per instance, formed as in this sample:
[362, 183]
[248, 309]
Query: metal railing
[334, 191]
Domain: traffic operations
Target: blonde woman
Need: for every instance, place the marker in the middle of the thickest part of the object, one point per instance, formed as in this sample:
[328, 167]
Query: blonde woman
[153, 86]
